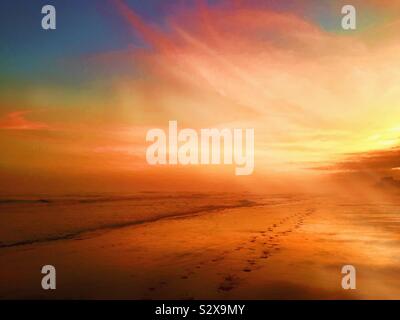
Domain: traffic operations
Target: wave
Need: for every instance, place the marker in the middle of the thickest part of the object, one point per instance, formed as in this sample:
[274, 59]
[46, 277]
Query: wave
[111, 226]
[99, 199]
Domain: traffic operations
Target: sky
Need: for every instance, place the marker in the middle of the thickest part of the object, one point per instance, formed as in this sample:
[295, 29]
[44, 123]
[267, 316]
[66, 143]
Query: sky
[76, 102]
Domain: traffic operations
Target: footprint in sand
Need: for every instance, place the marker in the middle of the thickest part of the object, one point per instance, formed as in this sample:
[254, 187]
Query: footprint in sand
[251, 262]
[230, 282]
[272, 242]
[187, 274]
[217, 259]
[265, 254]
[160, 284]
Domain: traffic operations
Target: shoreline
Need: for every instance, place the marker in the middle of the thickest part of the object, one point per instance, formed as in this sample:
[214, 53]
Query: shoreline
[290, 251]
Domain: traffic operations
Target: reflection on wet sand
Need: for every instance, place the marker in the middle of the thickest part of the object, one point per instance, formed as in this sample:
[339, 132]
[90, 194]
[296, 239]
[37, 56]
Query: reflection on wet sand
[285, 247]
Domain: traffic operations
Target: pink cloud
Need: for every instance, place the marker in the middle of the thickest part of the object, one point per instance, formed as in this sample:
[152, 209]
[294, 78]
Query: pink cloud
[17, 121]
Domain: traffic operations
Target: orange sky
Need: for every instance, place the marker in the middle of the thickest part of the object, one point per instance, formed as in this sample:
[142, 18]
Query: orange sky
[321, 102]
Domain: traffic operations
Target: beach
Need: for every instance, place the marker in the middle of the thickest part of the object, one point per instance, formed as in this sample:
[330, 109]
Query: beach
[186, 246]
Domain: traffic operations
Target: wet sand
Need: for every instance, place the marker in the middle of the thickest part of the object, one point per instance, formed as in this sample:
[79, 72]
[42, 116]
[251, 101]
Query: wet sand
[288, 250]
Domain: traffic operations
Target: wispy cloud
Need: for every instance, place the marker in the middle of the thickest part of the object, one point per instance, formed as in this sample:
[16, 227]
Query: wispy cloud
[17, 121]
[275, 70]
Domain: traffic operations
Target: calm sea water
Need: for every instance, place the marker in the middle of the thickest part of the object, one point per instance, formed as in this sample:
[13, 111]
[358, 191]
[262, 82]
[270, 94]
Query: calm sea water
[43, 218]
